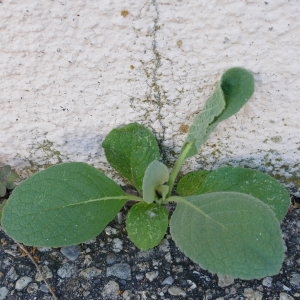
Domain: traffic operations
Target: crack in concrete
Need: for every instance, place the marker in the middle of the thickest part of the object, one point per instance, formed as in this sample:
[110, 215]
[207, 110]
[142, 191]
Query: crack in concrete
[156, 90]
[155, 96]
[157, 57]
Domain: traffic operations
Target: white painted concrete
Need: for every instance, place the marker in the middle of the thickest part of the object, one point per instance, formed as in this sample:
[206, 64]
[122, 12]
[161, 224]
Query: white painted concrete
[73, 70]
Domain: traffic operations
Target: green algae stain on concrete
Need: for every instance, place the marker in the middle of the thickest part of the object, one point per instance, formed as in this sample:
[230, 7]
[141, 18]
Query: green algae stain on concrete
[42, 155]
[276, 139]
[47, 147]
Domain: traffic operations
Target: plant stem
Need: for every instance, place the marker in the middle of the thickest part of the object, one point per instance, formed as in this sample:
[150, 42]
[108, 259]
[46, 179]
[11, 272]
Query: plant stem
[133, 198]
[179, 162]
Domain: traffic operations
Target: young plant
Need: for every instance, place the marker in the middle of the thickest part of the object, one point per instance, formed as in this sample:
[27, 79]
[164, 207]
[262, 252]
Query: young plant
[226, 220]
[7, 182]
[7, 179]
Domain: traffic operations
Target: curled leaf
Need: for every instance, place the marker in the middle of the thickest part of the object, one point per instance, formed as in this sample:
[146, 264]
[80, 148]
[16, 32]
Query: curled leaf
[232, 92]
[156, 175]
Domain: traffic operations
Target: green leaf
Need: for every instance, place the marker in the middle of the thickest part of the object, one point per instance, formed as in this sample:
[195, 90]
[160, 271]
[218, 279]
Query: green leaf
[1, 208]
[229, 233]
[130, 149]
[63, 205]
[147, 224]
[10, 180]
[191, 183]
[243, 180]
[2, 189]
[232, 92]
[156, 175]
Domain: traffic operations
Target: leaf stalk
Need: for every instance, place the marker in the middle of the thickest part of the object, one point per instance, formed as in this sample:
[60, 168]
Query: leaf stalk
[178, 164]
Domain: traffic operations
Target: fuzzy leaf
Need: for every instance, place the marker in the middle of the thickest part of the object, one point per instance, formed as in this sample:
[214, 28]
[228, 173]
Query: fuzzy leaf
[1, 208]
[232, 92]
[229, 233]
[61, 206]
[130, 149]
[243, 180]
[155, 176]
[147, 224]
[2, 189]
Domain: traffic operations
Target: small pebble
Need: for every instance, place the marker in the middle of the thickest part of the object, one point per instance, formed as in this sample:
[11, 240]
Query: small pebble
[129, 295]
[87, 260]
[66, 271]
[282, 286]
[145, 254]
[44, 288]
[251, 294]
[120, 217]
[295, 280]
[22, 282]
[164, 245]
[285, 296]
[12, 274]
[168, 257]
[110, 290]
[111, 258]
[44, 249]
[225, 280]
[46, 273]
[176, 291]
[110, 230]
[192, 285]
[3, 292]
[139, 276]
[151, 275]
[7, 262]
[155, 263]
[90, 273]
[71, 252]
[117, 245]
[168, 281]
[85, 294]
[32, 288]
[121, 270]
[267, 281]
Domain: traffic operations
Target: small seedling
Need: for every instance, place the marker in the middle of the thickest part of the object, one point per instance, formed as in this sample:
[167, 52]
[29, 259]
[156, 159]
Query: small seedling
[8, 178]
[7, 182]
[226, 220]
